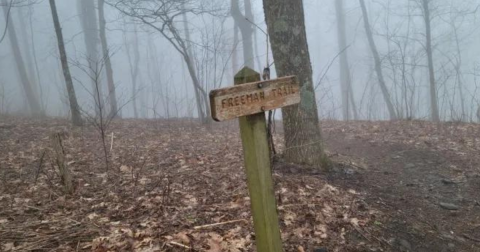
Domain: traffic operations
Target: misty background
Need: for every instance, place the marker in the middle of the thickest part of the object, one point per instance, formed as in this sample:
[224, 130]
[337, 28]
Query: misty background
[164, 88]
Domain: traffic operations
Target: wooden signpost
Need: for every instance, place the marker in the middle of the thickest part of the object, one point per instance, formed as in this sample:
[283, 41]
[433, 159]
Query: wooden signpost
[254, 97]
[248, 100]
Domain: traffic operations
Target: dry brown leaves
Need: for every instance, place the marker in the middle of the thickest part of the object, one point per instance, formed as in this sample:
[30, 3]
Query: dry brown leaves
[174, 186]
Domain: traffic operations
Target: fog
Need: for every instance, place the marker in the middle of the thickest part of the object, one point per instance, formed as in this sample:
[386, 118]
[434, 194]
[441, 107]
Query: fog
[239, 125]
[164, 86]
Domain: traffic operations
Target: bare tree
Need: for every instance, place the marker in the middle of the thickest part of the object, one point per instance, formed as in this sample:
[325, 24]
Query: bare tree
[156, 79]
[133, 63]
[112, 96]
[478, 113]
[35, 59]
[457, 19]
[7, 13]
[26, 50]
[431, 72]
[251, 18]
[246, 30]
[3, 99]
[161, 16]
[88, 21]
[235, 43]
[190, 54]
[32, 99]
[101, 120]
[399, 56]
[303, 141]
[213, 55]
[378, 63]
[459, 75]
[72, 98]
[348, 102]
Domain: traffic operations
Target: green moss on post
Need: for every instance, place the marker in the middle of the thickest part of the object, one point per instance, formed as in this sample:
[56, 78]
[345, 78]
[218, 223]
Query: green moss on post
[253, 130]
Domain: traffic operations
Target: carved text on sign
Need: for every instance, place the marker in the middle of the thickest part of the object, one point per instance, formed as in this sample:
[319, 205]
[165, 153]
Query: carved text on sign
[255, 97]
[243, 99]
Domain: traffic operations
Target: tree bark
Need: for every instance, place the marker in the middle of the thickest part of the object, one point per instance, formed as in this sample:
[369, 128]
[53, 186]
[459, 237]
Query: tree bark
[378, 63]
[32, 99]
[286, 29]
[428, 47]
[348, 103]
[246, 30]
[112, 95]
[72, 98]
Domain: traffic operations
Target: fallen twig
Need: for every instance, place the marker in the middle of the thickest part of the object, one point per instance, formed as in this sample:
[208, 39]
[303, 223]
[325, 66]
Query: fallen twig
[180, 245]
[218, 224]
[360, 232]
[471, 238]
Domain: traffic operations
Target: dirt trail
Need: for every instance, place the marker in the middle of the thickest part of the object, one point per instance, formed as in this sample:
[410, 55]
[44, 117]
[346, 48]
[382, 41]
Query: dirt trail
[429, 193]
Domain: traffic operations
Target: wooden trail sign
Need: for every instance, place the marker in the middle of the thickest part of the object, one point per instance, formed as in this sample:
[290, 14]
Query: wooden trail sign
[255, 97]
[253, 131]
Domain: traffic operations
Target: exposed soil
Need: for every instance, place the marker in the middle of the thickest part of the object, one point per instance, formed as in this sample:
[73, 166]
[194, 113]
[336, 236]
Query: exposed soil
[413, 172]
[178, 186]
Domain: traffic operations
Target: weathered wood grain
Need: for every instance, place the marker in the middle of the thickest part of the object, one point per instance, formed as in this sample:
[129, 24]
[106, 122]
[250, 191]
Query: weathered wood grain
[253, 131]
[254, 97]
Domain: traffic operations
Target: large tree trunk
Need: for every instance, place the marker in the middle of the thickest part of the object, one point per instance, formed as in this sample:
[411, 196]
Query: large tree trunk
[88, 20]
[246, 30]
[72, 98]
[378, 63]
[112, 96]
[32, 99]
[286, 28]
[345, 79]
[428, 47]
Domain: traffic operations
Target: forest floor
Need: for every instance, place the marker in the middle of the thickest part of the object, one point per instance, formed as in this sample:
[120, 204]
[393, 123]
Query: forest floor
[179, 186]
